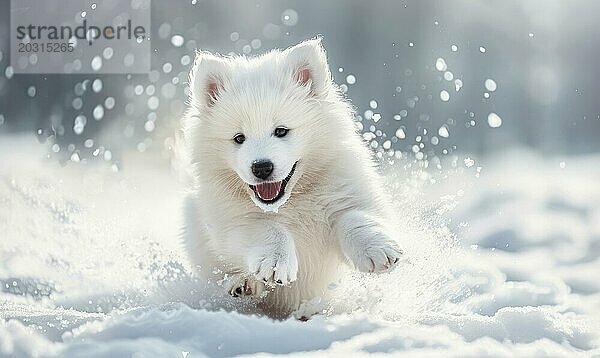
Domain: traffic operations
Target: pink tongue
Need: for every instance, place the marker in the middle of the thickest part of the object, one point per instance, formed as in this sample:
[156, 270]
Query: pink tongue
[268, 191]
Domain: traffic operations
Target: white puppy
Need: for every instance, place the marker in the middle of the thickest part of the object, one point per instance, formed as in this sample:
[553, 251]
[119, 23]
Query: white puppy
[283, 189]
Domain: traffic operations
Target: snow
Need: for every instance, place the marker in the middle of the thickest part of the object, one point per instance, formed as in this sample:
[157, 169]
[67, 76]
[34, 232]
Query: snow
[494, 120]
[500, 264]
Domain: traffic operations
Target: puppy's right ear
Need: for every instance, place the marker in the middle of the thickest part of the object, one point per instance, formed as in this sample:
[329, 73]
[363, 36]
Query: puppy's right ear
[207, 78]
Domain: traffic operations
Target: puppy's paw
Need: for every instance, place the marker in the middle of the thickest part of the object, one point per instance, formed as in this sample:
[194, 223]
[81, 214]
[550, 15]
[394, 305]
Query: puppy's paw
[243, 286]
[308, 309]
[275, 265]
[371, 250]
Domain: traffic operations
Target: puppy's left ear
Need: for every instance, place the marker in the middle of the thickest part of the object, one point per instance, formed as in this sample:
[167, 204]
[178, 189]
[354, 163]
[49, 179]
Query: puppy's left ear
[308, 64]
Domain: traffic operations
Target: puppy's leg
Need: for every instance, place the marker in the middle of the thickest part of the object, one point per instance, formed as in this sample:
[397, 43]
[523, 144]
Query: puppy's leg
[365, 242]
[274, 260]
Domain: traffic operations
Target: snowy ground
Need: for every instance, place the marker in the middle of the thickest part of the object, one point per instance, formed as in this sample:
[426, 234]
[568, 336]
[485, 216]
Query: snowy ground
[504, 264]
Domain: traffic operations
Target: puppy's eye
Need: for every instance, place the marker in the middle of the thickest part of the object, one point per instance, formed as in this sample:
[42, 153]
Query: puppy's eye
[239, 138]
[281, 132]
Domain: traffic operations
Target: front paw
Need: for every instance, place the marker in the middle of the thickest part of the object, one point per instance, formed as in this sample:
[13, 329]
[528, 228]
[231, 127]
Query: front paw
[276, 264]
[243, 286]
[371, 250]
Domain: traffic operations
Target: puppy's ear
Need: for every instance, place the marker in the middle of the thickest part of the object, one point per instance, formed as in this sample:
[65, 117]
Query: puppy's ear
[308, 64]
[207, 78]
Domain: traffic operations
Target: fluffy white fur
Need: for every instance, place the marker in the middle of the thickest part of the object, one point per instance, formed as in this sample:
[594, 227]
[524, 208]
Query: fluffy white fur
[333, 209]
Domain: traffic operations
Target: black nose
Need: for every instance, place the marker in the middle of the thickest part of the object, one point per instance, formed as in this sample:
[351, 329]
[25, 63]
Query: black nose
[262, 168]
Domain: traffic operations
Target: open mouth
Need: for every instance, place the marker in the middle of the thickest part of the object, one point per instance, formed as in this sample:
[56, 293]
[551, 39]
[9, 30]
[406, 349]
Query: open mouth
[270, 192]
